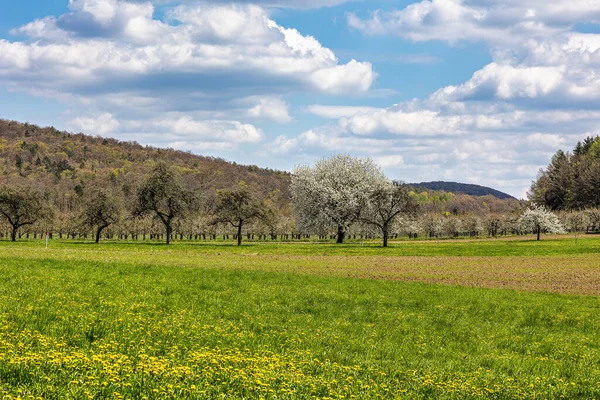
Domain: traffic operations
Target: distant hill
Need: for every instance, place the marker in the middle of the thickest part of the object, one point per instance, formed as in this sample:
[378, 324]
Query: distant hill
[464, 188]
[67, 165]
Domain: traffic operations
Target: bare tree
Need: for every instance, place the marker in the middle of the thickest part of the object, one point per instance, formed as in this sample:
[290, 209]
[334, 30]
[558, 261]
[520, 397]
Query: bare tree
[164, 196]
[101, 210]
[386, 203]
[21, 206]
[237, 207]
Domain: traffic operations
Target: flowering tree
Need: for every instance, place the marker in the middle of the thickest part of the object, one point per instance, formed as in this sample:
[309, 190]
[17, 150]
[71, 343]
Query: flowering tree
[593, 218]
[453, 226]
[576, 222]
[409, 225]
[333, 192]
[474, 225]
[432, 224]
[538, 220]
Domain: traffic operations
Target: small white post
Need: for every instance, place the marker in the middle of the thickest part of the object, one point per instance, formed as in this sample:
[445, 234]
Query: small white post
[47, 239]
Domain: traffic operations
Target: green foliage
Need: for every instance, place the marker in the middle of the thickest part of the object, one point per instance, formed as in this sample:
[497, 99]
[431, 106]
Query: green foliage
[571, 181]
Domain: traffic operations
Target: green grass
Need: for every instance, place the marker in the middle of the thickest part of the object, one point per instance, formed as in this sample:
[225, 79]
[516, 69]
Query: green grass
[513, 246]
[116, 325]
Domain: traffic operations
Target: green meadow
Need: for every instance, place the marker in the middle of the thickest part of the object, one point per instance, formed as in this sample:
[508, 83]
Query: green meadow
[498, 319]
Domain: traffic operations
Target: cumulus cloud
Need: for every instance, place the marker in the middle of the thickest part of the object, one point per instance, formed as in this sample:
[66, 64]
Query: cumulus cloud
[478, 20]
[104, 45]
[552, 72]
[204, 68]
[537, 57]
[187, 127]
[173, 130]
[421, 120]
[272, 108]
[294, 4]
[103, 124]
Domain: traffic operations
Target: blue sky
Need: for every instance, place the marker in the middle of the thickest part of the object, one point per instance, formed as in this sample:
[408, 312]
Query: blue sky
[478, 91]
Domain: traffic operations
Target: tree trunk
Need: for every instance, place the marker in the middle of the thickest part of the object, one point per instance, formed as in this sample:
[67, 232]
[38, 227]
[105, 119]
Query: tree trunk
[13, 234]
[98, 233]
[385, 236]
[340, 235]
[239, 234]
[169, 233]
[539, 231]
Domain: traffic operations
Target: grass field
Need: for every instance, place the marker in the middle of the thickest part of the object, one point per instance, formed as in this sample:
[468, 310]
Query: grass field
[451, 320]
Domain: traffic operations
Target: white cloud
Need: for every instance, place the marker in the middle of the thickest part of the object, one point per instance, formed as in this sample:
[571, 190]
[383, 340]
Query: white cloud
[537, 57]
[103, 10]
[505, 82]
[389, 161]
[347, 78]
[271, 108]
[546, 140]
[103, 124]
[337, 111]
[552, 72]
[231, 131]
[171, 130]
[478, 20]
[293, 4]
[105, 45]
[424, 120]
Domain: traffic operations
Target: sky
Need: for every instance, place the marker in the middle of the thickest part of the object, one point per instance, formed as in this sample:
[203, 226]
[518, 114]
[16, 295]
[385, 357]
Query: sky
[475, 91]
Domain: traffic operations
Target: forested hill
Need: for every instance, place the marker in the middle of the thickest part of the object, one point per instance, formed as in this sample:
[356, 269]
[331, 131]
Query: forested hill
[463, 188]
[69, 167]
[69, 164]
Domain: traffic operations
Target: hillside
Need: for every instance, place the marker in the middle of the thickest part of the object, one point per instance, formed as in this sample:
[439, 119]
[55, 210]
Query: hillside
[67, 164]
[69, 168]
[463, 188]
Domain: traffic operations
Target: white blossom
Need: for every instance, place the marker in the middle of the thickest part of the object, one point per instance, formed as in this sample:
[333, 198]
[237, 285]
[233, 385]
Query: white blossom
[538, 220]
[333, 192]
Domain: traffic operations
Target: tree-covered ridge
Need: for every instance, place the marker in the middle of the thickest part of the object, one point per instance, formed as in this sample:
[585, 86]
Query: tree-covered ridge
[464, 188]
[76, 185]
[73, 164]
[572, 180]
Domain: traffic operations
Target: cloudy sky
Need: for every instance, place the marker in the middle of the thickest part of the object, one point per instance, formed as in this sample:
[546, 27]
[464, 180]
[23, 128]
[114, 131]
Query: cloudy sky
[478, 91]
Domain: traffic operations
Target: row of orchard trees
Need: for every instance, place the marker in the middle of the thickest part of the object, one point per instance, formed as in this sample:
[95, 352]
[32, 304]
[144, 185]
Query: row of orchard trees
[342, 191]
[335, 198]
[163, 199]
